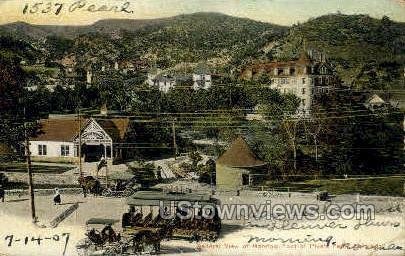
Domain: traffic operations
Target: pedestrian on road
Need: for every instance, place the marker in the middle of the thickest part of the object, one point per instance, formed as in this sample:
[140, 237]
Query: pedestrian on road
[2, 193]
[56, 197]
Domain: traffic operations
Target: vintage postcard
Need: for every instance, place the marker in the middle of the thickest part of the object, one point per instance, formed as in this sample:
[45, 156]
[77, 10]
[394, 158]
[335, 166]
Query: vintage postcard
[202, 127]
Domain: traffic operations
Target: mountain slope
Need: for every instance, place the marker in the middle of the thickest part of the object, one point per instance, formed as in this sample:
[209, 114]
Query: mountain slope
[367, 52]
[213, 37]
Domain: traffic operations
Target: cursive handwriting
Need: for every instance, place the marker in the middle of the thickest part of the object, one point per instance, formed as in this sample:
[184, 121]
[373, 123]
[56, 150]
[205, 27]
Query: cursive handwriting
[287, 225]
[370, 223]
[308, 239]
[58, 8]
[375, 247]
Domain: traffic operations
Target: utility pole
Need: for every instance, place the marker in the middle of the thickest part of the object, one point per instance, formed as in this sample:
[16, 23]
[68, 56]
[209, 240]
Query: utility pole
[174, 139]
[106, 172]
[29, 170]
[79, 148]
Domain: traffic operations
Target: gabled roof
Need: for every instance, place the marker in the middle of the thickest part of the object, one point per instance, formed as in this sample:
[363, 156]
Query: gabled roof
[67, 129]
[239, 154]
[375, 100]
[117, 128]
[57, 129]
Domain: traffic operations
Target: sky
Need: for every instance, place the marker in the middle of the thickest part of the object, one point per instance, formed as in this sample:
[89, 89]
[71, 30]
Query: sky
[283, 12]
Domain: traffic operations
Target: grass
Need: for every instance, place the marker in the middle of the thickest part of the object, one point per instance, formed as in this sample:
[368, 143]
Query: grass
[389, 186]
[21, 167]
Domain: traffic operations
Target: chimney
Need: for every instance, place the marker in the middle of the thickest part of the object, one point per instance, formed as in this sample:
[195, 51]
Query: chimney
[104, 110]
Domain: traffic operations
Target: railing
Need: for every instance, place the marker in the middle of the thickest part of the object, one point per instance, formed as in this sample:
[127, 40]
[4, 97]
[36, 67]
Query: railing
[20, 192]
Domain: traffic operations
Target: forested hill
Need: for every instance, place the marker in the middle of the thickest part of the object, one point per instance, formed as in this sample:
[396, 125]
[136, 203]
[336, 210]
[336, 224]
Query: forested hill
[367, 52]
[186, 38]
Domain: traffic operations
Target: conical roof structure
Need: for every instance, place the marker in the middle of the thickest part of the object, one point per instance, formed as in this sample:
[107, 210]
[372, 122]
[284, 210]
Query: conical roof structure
[239, 154]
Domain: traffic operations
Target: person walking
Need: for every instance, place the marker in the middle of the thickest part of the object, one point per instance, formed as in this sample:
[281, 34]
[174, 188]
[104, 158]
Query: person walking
[56, 197]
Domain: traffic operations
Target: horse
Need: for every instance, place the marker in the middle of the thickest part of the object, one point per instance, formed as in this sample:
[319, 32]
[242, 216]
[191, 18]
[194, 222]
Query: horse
[90, 185]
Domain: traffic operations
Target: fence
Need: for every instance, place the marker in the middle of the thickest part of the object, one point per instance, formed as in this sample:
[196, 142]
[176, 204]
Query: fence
[43, 192]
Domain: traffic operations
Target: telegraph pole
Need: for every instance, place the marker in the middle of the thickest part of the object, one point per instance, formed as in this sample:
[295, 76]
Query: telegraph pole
[29, 170]
[79, 148]
[174, 139]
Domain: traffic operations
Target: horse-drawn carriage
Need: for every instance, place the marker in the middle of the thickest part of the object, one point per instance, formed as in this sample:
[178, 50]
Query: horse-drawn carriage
[195, 228]
[100, 236]
[101, 239]
[120, 186]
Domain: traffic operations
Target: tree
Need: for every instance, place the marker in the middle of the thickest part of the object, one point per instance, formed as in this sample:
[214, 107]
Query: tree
[290, 127]
[12, 80]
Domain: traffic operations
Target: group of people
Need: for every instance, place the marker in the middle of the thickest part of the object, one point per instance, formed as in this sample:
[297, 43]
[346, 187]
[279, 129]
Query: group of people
[130, 218]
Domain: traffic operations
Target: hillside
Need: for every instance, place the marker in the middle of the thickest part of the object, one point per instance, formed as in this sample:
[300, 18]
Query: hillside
[211, 37]
[367, 52]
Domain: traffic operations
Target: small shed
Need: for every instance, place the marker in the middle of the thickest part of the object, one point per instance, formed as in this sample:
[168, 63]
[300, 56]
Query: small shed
[237, 166]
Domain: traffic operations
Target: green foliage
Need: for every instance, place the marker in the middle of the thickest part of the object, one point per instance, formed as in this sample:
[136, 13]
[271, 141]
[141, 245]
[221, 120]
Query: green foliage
[144, 174]
[367, 53]
[389, 186]
[12, 79]
[58, 46]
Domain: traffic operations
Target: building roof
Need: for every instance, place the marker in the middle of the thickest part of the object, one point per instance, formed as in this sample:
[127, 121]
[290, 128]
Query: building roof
[117, 128]
[375, 100]
[153, 198]
[57, 129]
[66, 129]
[239, 154]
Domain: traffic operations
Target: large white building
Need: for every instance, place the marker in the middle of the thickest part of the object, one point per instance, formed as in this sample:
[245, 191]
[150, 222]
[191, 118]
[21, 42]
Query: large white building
[306, 78]
[162, 82]
[200, 79]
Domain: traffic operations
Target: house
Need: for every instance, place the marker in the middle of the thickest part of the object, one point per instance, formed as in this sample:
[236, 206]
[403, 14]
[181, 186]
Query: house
[374, 102]
[57, 139]
[308, 77]
[163, 82]
[237, 167]
[202, 79]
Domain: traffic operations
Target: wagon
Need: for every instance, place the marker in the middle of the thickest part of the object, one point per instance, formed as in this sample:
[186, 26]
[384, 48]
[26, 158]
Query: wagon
[196, 228]
[132, 241]
[97, 240]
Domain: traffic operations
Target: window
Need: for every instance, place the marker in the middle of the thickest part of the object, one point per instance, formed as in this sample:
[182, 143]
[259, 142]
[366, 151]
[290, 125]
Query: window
[284, 81]
[292, 71]
[42, 150]
[64, 150]
[303, 80]
[245, 179]
[303, 102]
[76, 151]
[303, 90]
